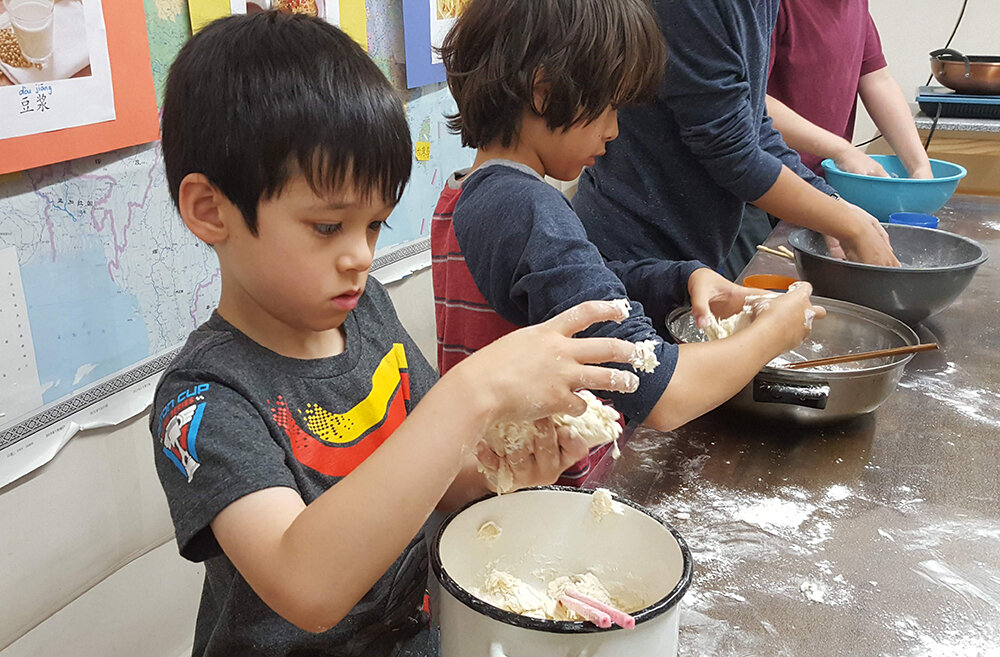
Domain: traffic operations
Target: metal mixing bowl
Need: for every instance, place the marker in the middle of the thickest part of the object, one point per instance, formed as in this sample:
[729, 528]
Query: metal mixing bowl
[822, 395]
[937, 266]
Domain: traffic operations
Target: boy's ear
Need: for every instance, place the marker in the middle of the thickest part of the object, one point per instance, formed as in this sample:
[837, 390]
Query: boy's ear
[204, 209]
[540, 94]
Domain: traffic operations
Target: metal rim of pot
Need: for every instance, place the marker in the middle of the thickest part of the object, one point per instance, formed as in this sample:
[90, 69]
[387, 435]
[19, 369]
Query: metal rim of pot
[647, 613]
[797, 242]
[794, 376]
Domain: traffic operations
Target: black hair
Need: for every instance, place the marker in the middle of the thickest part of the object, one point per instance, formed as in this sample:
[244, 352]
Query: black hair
[254, 100]
[590, 54]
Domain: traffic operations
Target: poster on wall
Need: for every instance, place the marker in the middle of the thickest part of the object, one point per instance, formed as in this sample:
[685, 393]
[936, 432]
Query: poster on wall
[348, 15]
[425, 24]
[74, 81]
[54, 64]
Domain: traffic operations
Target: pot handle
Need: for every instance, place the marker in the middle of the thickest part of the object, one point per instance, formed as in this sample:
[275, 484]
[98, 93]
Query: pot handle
[936, 54]
[809, 395]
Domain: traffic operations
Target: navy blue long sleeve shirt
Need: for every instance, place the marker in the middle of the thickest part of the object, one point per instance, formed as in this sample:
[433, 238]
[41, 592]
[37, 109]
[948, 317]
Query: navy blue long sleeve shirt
[674, 183]
[530, 258]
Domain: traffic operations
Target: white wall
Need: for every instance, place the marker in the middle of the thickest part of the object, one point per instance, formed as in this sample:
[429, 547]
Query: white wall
[88, 564]
[910, 29]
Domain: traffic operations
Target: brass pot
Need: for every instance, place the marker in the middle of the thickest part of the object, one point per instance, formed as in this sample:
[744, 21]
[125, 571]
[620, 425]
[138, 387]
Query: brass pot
[966, 74]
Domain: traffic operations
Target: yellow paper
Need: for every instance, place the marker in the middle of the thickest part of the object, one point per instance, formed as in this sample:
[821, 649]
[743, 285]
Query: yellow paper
[354, 21]
[422, 150]
[204, 12]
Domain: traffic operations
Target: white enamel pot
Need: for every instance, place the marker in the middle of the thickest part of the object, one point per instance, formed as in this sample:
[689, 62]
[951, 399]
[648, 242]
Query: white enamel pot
[545, 533]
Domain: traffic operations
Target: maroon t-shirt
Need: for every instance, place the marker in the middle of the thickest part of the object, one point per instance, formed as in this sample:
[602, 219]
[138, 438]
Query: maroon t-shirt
[819, 51]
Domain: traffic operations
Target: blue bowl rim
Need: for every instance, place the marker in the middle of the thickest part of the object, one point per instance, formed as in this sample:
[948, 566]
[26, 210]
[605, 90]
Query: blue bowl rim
[795, 236]
[830, 167]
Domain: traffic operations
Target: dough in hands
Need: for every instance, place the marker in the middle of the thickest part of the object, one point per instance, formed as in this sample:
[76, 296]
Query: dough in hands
[598, 425]
[718, 329]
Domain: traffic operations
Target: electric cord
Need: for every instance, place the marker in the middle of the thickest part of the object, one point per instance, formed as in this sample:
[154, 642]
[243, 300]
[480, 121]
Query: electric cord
[934, 122]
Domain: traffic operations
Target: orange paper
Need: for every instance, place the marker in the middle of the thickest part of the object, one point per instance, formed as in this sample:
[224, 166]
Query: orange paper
[137, 120]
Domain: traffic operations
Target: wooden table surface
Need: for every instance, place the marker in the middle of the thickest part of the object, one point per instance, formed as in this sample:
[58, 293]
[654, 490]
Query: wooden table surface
[876, 537]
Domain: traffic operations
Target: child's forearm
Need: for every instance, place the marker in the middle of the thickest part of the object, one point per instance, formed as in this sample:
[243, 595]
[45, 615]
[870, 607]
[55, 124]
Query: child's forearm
[803, 135]
[327, 556]
[468, 485]
[708, 374]
[888, 108]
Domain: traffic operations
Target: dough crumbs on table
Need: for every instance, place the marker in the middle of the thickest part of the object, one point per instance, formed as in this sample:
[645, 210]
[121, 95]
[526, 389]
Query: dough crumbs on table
[488, 531]
[601, 504]
[624, 306]
[644, 358]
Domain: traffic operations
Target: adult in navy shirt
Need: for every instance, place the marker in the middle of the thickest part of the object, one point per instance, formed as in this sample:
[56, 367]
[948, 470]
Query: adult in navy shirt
[674, 183]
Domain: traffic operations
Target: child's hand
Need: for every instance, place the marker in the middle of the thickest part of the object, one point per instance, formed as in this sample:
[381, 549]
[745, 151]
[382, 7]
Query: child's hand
[788, 317]
[866, 240]
[713, 294]
[552, 451]
[854, 160]
[532, 372]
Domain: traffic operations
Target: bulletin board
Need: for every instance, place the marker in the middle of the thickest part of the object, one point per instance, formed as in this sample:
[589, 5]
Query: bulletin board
[101, 282]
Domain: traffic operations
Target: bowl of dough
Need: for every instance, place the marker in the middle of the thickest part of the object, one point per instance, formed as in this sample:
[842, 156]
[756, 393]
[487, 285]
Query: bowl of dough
[936, 268]
[503, 564]
[816, 395]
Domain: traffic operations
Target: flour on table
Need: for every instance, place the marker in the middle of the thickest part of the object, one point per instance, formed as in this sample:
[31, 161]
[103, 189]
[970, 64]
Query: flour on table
[598, 425]
[601, 504]
[644, 357]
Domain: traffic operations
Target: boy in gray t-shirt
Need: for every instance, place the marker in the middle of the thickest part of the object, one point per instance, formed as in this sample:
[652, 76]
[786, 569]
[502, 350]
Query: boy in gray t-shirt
[296, 459]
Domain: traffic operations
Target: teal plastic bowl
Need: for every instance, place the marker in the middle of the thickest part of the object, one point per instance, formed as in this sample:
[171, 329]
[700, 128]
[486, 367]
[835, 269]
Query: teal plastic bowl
[884, 196]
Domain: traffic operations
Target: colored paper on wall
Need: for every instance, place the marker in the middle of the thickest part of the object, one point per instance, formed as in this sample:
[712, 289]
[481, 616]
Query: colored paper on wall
[354, 20]
[204, 12]
[133, 117]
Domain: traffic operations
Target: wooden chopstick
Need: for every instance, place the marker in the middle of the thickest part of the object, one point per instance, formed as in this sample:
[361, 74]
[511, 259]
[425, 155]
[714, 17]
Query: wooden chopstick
[767, 249]
[867, 355]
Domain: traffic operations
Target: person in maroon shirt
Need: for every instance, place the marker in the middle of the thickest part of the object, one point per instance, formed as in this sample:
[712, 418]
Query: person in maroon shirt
[823, 56]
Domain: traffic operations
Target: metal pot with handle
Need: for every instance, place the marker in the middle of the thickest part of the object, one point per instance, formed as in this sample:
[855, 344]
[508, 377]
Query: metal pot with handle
[552, 531]
[827, 394]
[966, 74]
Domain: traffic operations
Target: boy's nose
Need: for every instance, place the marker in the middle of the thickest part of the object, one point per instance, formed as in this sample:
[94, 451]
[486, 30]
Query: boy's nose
[357, 256]
[611, 131]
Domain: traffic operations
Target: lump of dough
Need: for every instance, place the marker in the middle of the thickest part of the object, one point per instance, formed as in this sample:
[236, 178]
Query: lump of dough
[644, 359]
[623, 306]
[505, 591]
[598, 425]
[718, 329]
[488, 531]
[601, 504]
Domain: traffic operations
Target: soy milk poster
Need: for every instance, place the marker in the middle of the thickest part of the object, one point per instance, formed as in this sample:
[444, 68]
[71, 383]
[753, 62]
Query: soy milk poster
[56, 63]
[55, 60]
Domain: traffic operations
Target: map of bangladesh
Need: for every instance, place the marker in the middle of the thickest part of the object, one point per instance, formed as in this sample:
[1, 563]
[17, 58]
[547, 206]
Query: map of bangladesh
[109, 274]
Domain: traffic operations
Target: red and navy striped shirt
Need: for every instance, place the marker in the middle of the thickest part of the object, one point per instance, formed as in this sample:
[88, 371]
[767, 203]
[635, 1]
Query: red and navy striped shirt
[466, 322]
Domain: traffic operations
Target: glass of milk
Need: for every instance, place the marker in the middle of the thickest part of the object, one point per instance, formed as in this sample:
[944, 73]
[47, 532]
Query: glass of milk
[32, 23]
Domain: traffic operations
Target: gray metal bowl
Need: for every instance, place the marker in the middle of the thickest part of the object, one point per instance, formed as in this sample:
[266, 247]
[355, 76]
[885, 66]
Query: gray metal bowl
[822, 395]
[937, 266]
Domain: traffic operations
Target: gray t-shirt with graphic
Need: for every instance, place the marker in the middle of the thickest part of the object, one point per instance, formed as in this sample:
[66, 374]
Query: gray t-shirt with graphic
[231, 417]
